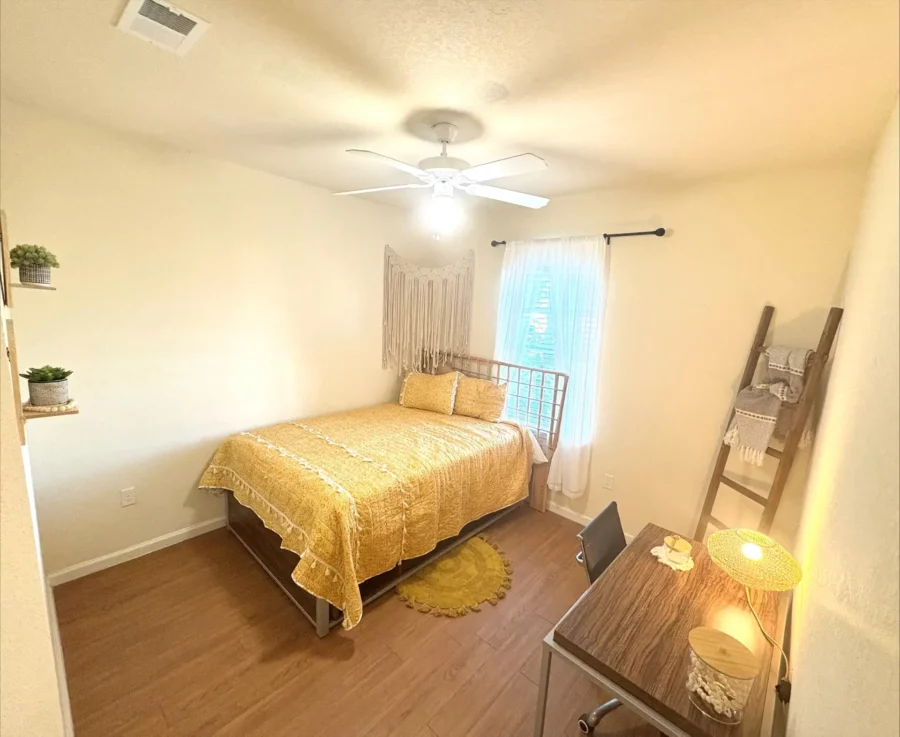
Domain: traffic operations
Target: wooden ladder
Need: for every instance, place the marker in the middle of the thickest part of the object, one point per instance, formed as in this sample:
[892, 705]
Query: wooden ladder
[785, 457]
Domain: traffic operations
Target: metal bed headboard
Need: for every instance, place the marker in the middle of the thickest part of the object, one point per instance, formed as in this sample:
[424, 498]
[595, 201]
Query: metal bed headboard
[535, 397]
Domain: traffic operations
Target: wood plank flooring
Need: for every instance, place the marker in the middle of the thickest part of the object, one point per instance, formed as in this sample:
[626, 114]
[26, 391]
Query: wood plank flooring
[197, 640]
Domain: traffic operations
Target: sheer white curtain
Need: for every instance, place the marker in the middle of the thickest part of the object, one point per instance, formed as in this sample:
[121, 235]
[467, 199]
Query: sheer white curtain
[551, 300]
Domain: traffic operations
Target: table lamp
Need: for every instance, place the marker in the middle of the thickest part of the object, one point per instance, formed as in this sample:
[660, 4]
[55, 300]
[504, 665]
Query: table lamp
[757, 561]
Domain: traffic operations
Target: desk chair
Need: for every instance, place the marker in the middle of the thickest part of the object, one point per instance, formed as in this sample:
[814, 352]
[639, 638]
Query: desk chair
[601, 540]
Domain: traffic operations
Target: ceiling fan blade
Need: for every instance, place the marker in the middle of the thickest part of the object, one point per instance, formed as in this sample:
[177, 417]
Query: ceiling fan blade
[506, 195]
[401, 165]
[521, 164]
[383, 189]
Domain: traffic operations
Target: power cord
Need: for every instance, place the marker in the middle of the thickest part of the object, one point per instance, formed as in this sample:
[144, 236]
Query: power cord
[783, 689]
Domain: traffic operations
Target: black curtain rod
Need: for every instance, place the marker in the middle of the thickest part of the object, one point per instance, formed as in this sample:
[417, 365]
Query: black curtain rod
[658, 232]
[608, 236]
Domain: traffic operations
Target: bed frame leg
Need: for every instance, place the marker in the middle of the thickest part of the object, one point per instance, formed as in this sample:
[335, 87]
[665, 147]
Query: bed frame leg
[322, 614]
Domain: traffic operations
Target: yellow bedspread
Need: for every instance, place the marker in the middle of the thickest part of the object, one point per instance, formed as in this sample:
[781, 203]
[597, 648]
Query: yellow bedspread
[354, 493]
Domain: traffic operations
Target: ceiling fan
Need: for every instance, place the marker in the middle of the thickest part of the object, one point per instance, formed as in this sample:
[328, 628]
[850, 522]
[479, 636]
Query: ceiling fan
[445, 174]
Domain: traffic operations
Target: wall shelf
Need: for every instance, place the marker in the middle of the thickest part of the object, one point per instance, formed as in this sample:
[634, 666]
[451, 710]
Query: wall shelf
[29, 415]
[23, 412]
[45, 287]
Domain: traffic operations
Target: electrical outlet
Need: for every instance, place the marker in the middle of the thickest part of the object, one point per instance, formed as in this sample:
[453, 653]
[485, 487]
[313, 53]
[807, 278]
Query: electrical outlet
[127, 497]
[607, 481]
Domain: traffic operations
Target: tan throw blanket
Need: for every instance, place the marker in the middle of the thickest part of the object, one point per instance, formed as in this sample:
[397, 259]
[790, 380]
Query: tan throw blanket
[356, 492]
[759, 410]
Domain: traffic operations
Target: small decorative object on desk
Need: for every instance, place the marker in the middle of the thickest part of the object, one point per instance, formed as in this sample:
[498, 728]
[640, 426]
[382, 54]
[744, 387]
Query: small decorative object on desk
[675, 552]
[33, 262]
[47, 385]
[721, 674]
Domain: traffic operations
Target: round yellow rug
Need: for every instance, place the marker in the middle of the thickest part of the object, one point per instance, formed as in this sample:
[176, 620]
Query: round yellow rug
[458, 583]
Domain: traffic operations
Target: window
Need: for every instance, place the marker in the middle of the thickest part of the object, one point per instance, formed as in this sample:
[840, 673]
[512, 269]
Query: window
[523, 399]
[549, 318]
[538, 349]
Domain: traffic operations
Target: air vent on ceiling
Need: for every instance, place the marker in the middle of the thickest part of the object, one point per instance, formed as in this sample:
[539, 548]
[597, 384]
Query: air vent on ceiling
[162, 24]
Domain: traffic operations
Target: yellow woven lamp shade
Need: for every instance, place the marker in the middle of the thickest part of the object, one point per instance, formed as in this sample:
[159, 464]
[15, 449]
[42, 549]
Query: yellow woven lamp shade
[754, 560]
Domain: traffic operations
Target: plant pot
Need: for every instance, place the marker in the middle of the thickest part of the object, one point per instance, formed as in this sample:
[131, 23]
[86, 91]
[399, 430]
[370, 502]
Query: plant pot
[44, 393]
[34, 274]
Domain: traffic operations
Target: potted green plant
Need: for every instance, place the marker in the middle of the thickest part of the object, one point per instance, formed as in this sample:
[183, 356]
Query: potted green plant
[48, 385]
[33, 262]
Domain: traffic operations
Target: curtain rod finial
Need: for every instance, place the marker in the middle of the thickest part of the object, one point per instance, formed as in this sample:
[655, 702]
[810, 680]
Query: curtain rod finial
[494, 244]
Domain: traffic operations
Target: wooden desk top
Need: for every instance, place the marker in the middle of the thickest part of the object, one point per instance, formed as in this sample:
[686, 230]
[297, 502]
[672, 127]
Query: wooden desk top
[632, 626]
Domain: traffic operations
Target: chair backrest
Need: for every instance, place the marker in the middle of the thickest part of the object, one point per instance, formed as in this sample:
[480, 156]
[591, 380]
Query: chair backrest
[602, 540]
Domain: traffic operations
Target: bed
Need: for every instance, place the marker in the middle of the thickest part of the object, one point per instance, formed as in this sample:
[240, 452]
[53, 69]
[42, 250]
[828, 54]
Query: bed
[338, 509]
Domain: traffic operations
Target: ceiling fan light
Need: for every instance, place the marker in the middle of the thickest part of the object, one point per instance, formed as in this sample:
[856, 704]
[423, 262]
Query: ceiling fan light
[443, 214]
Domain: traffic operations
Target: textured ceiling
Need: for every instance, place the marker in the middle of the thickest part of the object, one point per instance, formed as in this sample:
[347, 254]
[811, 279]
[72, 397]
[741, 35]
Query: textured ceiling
[608, 91]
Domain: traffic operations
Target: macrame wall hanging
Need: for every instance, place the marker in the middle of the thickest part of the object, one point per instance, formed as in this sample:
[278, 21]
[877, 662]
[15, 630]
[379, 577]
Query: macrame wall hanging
[427, 312]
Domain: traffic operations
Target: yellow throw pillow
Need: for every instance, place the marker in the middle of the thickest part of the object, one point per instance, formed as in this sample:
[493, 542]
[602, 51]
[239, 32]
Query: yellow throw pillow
[480, 398]
[434, 393]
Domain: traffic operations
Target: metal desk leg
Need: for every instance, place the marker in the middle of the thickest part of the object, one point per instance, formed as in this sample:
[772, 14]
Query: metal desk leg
[542, 690]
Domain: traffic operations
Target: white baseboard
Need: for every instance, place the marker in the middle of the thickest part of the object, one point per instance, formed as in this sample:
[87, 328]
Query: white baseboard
[581, 519]
[62, 683]
[568, 513]
[571, 514]
[135, 551]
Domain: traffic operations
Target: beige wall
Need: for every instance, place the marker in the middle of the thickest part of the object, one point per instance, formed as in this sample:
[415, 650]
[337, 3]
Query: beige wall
[29, 694]
[846, 621]
[196, 299]
[680, 314]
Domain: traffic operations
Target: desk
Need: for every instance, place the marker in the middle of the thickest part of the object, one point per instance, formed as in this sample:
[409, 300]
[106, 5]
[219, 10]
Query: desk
[629, 633]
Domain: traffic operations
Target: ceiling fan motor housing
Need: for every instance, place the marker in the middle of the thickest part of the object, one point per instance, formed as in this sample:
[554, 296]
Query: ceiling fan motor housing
[443, 167]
